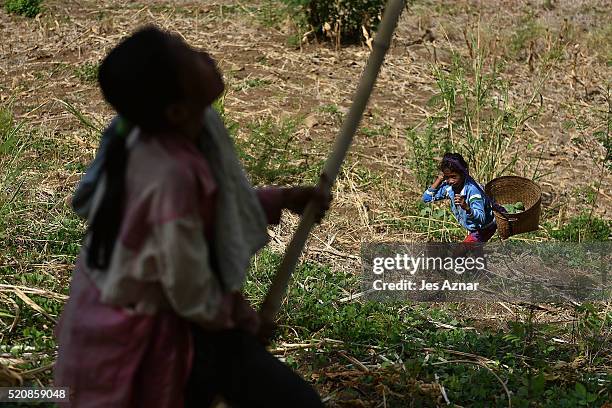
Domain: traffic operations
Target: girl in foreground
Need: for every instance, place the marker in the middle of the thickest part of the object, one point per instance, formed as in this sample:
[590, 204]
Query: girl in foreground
[156, 317]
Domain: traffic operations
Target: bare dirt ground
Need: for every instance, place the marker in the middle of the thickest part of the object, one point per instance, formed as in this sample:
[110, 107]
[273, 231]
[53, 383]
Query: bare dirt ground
[44, 61]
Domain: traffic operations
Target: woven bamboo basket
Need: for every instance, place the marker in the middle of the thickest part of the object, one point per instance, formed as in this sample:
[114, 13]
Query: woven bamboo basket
[509, 190]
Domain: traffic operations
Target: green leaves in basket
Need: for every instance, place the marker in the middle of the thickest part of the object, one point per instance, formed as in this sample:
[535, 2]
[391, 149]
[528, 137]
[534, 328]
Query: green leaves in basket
[515, 208]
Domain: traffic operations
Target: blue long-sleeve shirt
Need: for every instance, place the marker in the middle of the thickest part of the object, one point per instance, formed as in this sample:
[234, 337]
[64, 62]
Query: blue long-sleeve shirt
[481, 215]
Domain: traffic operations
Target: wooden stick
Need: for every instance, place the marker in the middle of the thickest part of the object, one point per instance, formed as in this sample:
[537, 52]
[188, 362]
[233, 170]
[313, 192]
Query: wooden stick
[381, 43]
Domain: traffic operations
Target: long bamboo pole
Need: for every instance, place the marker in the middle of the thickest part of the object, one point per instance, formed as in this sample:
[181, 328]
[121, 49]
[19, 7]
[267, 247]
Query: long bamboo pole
[380, 45]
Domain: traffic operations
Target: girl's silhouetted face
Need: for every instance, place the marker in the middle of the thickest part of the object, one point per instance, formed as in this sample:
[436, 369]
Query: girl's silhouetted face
[201, 83]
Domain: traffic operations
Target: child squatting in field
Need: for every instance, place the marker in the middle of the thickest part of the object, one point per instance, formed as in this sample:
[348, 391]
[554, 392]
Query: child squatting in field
[156, 317]
[468, 202]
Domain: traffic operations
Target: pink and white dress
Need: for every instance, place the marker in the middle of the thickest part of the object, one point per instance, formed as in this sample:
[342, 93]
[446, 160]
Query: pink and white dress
[124, 338]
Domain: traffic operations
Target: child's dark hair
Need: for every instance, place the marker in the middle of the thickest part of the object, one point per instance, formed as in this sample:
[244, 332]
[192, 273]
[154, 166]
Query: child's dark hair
[140, 79]
[454, 162]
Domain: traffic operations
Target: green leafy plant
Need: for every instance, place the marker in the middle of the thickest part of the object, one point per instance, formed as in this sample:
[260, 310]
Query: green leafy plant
[27, 8]
[583, 228]
[87, 72]
[344, 19]
[271, 155]
[426, 148]
[251, 83]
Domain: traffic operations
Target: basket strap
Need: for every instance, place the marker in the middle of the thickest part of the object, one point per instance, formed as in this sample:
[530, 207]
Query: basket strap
[491, 200]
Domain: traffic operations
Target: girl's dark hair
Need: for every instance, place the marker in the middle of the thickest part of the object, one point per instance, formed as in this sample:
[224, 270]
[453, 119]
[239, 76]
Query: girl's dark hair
[139, 78]
[454, 162]
[104, 227]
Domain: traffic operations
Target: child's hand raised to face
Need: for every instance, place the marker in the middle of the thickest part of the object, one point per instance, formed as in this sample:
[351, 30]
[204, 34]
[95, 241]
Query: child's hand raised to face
[438, 180]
